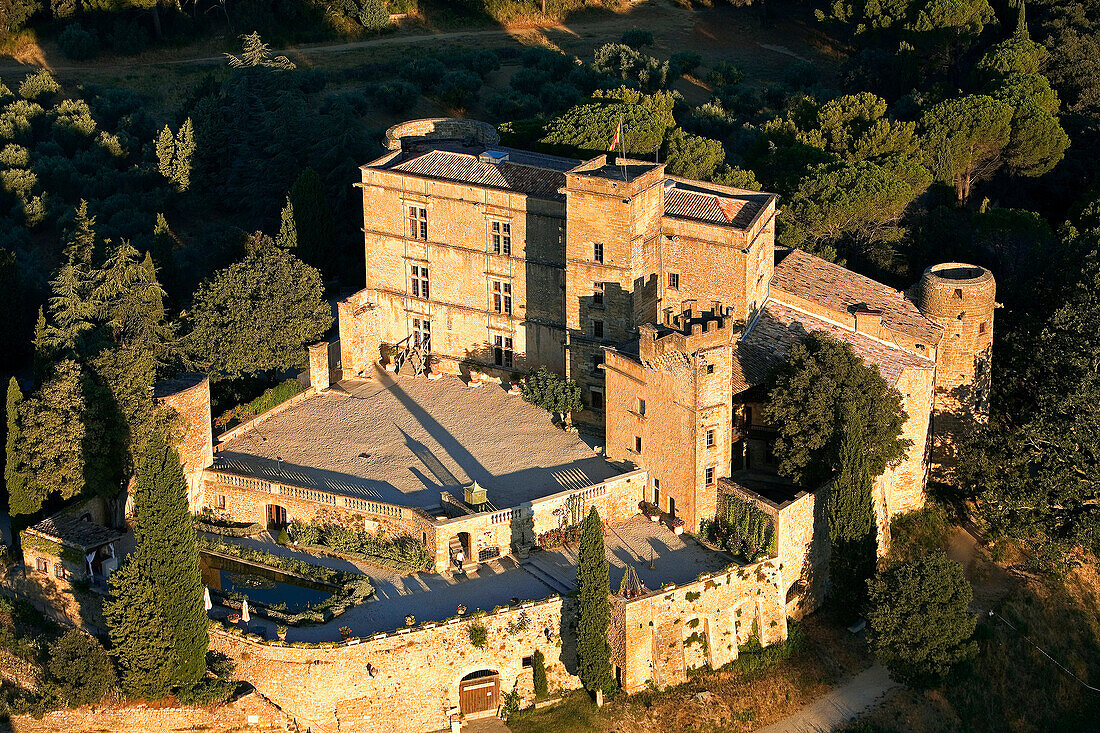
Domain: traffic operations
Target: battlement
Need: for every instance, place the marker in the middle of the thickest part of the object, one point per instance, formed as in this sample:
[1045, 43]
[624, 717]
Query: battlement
[689, 331]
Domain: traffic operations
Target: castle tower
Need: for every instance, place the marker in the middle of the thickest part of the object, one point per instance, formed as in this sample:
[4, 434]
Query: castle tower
[189, 396]
[961, 298]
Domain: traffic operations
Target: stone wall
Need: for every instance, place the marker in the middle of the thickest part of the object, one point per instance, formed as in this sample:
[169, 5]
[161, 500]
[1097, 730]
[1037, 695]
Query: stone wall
[452, 128]
[248, 714]
[659, 637]
[404, 682]
[189, 396]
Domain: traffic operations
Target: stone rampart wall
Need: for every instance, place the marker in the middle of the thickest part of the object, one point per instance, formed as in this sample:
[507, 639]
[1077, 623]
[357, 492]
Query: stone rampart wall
[403, 682]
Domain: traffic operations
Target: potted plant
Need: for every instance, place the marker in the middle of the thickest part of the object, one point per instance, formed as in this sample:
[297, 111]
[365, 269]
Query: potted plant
[434, 372]
[345, 633]
[461, 609]
[386, 351]
[410, 620]
[234, 618]
[677, 525]
[280, 632]
[650, 510]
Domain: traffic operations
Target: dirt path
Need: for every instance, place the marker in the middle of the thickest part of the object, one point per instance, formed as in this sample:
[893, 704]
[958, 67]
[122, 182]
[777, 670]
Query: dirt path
[839, 706]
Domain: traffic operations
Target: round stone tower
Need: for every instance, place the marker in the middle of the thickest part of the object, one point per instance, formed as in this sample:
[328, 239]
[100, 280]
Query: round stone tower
[189, 396]
[961, 298]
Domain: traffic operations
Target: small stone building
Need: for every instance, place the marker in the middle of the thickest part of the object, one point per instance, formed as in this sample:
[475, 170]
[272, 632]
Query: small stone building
[72, 545]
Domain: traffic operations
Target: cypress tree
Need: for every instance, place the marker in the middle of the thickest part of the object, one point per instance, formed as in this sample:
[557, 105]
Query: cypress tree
[313, 221]
[1021, 21]
[851, 518]
[594, 584]
[166, 152]
[288, 230]
[156, 617]
[538, 672]
[15, 475]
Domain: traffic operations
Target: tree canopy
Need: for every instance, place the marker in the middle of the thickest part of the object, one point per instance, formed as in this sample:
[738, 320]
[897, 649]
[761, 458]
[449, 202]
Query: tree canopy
[919, 620]
[258, 314]
[809, 398]
[593, 608]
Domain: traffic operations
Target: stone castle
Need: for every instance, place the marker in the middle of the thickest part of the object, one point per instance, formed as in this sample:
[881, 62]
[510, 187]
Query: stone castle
[668, 302]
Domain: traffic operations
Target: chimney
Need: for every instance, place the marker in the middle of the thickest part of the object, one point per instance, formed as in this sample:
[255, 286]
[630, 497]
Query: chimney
[318, 366]
[868, 320]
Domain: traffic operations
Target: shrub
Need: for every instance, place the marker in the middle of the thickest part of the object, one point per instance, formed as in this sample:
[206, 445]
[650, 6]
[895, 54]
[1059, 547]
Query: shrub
[538, 671]
[270, 398]
[684, 62]
[637, 37]
[458, 88]
[724, 73]
[77, 43]
[284, 538]
[425, 72]
[37, 86]
[479, 635]
[373, 15]
[396, 96]
[81, 668]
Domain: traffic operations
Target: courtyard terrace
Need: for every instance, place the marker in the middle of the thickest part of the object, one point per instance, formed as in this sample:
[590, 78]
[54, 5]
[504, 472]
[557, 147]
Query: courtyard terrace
[403, 440]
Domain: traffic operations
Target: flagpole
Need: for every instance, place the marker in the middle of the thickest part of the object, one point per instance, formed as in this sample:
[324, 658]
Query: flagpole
[622, 144]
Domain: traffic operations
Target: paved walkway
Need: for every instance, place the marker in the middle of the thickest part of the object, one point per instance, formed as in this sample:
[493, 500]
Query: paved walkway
[839, 706]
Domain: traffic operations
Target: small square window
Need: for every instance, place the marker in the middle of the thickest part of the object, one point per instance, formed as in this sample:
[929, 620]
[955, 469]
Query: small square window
[221, 501]
[597, 329]
[709, 473]
[710, 369]
[59, 570]
[674, 280]
[981, 327]
[528, 662]
[41, 565]
[710, 438]
[637, 444]
[595, 397]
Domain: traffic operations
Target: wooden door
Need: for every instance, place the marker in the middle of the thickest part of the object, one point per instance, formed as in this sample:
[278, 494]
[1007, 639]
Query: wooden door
[479, 694]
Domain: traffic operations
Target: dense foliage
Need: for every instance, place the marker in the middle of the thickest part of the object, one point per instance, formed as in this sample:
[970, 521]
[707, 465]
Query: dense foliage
[543, 388]
[810, 397]
[920, 622]
[850, 512]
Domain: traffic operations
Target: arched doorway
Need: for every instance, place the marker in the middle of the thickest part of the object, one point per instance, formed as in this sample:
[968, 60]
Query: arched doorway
[479, 692]
[459, 548]
[276, 516]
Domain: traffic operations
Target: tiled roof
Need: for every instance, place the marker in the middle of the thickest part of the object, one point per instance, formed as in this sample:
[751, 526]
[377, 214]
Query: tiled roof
[69, 529]
[448, 165]
[672, 361]
[709, 206]
[780, 327]
[838, 288]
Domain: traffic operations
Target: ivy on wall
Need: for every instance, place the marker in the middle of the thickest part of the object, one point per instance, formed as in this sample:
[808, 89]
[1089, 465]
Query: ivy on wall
[52, 548]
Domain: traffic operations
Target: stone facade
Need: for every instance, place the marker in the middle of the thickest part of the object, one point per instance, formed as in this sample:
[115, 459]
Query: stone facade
[189, 396]
[248, 714]
[659, 637]
[407, 681]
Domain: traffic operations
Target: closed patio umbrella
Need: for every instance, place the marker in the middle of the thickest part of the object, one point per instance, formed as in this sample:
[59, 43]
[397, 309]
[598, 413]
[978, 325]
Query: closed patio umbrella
[206, 602]
[244, 611]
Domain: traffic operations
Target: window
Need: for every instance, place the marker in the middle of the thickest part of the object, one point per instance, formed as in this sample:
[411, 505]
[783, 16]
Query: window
[597, 362]
[710, 369]
[641, 406]
[637, 444]
[596, 398]
[674, 280]
[422, 333]
[709, 474]
[59, 570]
[502, 296]
[710, 438]
[502, 351]
[597, 295]
[597, 251]
[528, 662]
[418, 222]
[500, 237]
[41, 565]
[420, 281]
[981, 327]
[657, 492]
[597, 329]
[221, 501]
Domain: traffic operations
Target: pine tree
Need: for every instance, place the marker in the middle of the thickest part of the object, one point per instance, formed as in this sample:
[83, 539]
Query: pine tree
[851, 516]
[313, 221]
[185, 152]
[594, 612]
[166, 152]
[15, 474]
[52, 424]
[288, 230]
[156, 617]
[45, 349]
[163, 251]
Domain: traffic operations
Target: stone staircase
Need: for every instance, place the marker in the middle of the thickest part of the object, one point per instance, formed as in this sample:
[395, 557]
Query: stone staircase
[547, 574]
